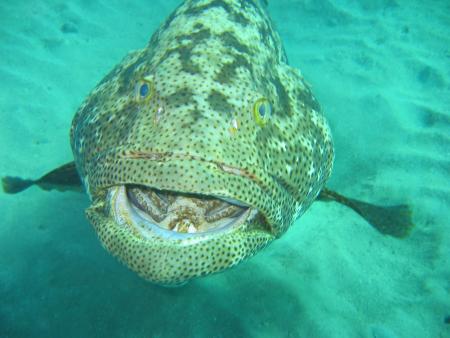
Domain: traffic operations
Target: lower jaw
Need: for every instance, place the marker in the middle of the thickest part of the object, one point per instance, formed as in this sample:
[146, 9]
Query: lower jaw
[173, 262]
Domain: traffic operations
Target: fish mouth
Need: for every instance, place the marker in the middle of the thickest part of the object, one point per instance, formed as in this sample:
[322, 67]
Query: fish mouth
[152, 213]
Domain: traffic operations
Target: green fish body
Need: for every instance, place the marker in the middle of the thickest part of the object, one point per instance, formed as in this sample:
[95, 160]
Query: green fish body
[203, 147]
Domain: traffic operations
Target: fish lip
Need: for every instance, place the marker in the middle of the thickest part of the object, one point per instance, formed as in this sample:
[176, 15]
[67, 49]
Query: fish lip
[140, 224]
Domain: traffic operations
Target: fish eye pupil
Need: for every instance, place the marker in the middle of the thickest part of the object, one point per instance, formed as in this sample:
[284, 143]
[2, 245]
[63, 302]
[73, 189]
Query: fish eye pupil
[262, 110]
[143, 91]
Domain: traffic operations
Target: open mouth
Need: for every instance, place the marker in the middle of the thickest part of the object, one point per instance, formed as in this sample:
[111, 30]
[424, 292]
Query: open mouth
[172, 215]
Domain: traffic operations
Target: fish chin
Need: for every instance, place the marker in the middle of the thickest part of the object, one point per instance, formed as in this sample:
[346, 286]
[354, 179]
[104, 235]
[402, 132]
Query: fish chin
[170, 238]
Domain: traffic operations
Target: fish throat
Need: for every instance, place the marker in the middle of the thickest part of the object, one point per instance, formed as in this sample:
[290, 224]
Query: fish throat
[172, 215]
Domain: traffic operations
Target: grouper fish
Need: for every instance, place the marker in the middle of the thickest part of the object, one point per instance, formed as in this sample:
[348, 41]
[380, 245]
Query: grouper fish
[203, 147]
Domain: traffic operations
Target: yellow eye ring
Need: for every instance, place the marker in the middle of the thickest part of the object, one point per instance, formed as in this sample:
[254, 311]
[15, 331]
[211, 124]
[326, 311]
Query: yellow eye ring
[262, 111]
[144, 90]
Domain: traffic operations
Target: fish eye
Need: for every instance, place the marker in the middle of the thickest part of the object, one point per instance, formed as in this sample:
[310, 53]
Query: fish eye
[144, 90]
[262, 111]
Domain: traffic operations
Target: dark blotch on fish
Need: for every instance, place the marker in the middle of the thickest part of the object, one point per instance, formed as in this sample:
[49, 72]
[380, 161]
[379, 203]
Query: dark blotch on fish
[234, 16]
[219, 102]
[283, 96]
[181, 97]
[228, 71]
[187, 65]
[230, 40]
[126, 82]
[196, 37]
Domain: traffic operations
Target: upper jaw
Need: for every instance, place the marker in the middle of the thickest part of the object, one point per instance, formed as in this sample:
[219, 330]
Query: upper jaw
[156, 214]
[190, 178]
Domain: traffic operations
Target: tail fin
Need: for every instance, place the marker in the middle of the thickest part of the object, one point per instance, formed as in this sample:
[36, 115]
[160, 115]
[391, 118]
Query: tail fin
[13, 185]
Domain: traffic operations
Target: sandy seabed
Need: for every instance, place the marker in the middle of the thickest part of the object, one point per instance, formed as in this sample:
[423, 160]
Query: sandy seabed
[381, 71]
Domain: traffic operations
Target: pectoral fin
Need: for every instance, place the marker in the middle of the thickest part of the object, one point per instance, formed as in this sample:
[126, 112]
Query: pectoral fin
[395, 220]
[62, 178]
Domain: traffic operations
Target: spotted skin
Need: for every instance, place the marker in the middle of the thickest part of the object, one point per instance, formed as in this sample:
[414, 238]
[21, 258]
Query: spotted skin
[207, 65]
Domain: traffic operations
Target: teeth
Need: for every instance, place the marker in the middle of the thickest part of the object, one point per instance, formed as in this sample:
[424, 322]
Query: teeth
[164, 199]
[150, 202]
[224, 210]
[215, 205]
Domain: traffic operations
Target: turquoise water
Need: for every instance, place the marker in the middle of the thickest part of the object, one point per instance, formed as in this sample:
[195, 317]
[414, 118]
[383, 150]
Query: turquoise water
[381, 71]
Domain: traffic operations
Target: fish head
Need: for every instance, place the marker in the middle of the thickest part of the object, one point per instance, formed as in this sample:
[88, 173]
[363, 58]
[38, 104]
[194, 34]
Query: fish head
[196, 159]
